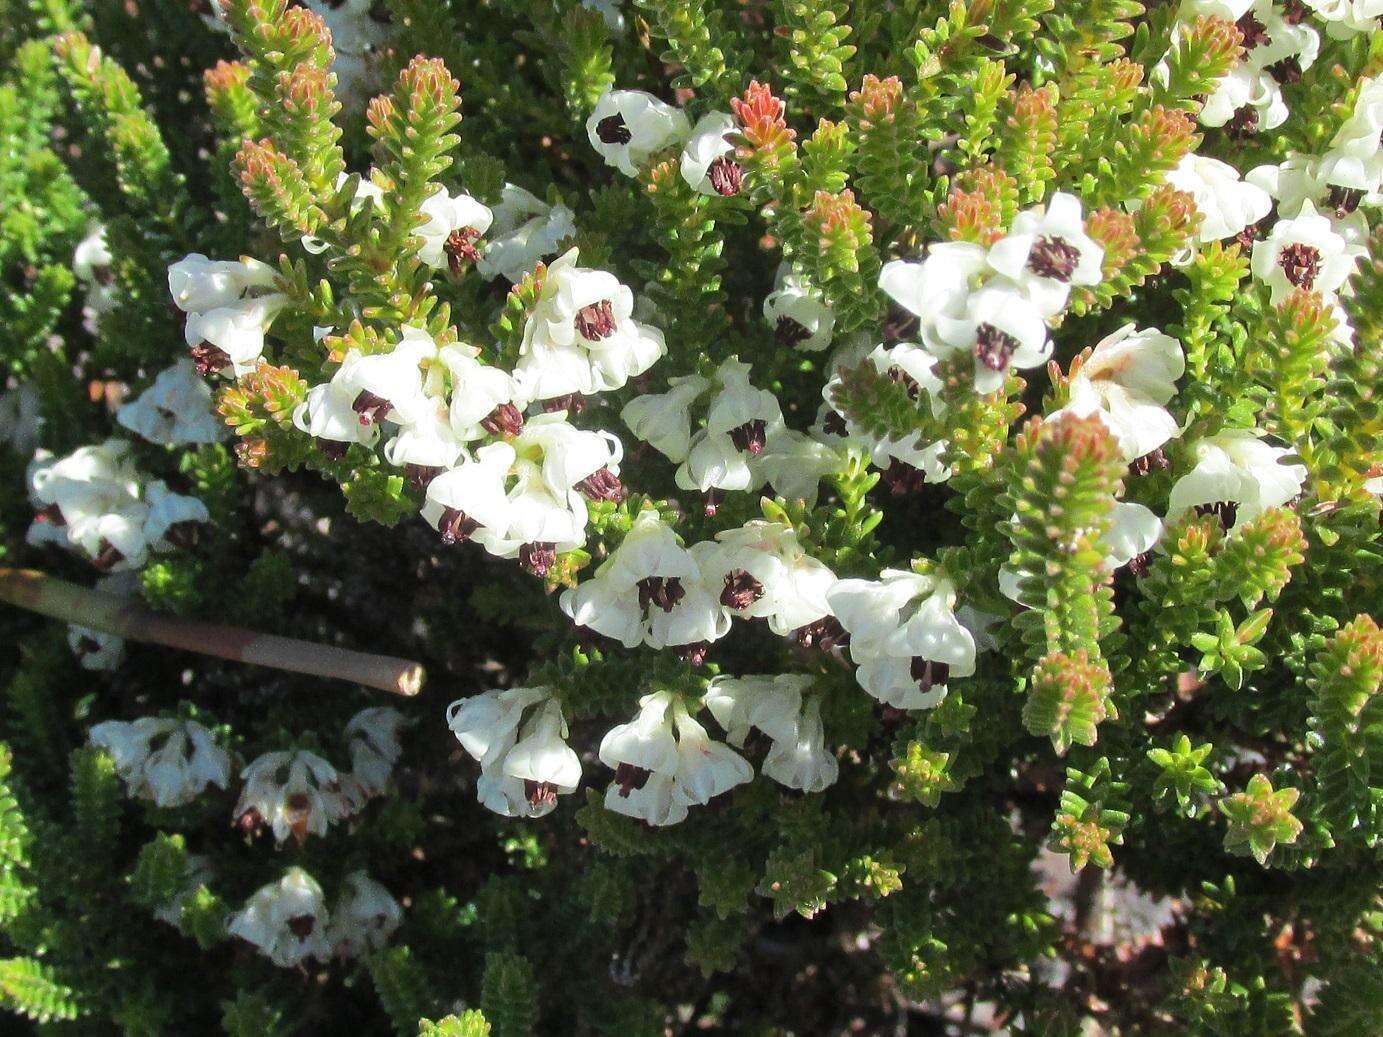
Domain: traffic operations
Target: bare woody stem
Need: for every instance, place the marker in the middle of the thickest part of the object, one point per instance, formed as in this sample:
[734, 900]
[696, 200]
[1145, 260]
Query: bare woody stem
[38, 592]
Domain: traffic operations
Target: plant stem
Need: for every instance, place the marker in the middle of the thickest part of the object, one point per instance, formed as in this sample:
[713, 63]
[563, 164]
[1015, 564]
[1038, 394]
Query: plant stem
[38, 592]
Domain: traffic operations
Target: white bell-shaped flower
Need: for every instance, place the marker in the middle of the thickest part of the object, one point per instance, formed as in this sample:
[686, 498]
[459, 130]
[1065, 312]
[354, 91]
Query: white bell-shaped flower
[1237, 476]
[477, 389]
[708, 159]
[198, 284]
[175, 410]
[427, 447]
[95, 649]
[1227, 204]
[542, 760]
[1346, 18]
[1303, 252]
[486, 725]
[1045, 253]
[1127, 381]
[764, 572]
[92, 257]
[870, 610]
[649, 591]
[174, 520]
[365, 917]
[293, 792]
[799, 315]
[169, 762]
[388, 386]
[770, 702]
[1133, 531]
[1002, 329]
[739, 420]
[937, 286]
[328, 415]
[705, 768]
[629, 126]
[794, 463]
[454, 223]
[232, 335]
[373, 738]
[472, 496]
[663, 420]
[525, 230]
[803, 761]
[286, 920]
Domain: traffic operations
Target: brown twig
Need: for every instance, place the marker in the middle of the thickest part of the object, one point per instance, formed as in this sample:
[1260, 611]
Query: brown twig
[38, 592]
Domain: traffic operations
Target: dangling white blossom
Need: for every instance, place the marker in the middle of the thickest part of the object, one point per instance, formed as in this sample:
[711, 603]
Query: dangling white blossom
[1002, 329]
[939, 285]
[360, 31]
[454, 223]
[629, 126]
[649, 591]
[95, 649]
[663, 420]
[91, 266]
[169, 762]
[1227, 203]
[739, 420]
[89, 502]
[472, 497]
[525, 230]
[762, 571]
[778, 705]
[904, 636]
[519, 738]
[1276, 51]
[175, 410]
[1303, 252]
[198, 284]
[293, 792]
[388, 386]
[373, 739]
[365, 917]
[173, 518]
[708, 160]
[1127, 381]
[477, 391]
[581, 336]
[287, 920]
[798, 314]
[794, 463]
[659, 775]
[1346, 18]
[232, 335]
[1046, 253]
[1238, 476]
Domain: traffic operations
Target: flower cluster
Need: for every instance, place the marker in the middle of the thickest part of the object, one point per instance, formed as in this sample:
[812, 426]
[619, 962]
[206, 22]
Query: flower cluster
[169, 762]
[97, 503]
[288, 921]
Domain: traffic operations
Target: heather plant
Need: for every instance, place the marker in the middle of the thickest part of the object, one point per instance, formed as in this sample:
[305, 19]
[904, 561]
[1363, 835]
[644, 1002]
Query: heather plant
[793, 516]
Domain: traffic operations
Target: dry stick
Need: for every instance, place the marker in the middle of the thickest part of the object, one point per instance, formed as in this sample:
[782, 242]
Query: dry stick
[38, 592]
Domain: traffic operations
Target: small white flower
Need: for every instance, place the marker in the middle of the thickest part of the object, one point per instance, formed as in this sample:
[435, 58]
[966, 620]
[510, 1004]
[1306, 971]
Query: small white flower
[21, 418]
[360, 31]
[779, 706]
[169, 762]
[581, 336]
[1133, 531]
[366, 192]
[1045, 253]
[328, 415]
[1226, 203]
[89, 501]
[173, 518]
[373, 738]
[427, 447]
[454, 222]
[763, 572]
[1347, 18]
[519, 738]
[471, 497]
[1238, 476]
[1303, 252]
[708, 160]
[233, 335]
[663, 420]
[794, 463]
[295, 793]
[739, 420]
[803, 761]
[649, 591]
[658, 776]
[939, 285]
[286, 920]
[799, 315]
[1002, 329]
[366, 916]
[175, 410]
[909, 647]
[477, 389]
[388, 386]
[1128, 380]
[629, 126]
[525, 229]
[95, 649]
[198, 284]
